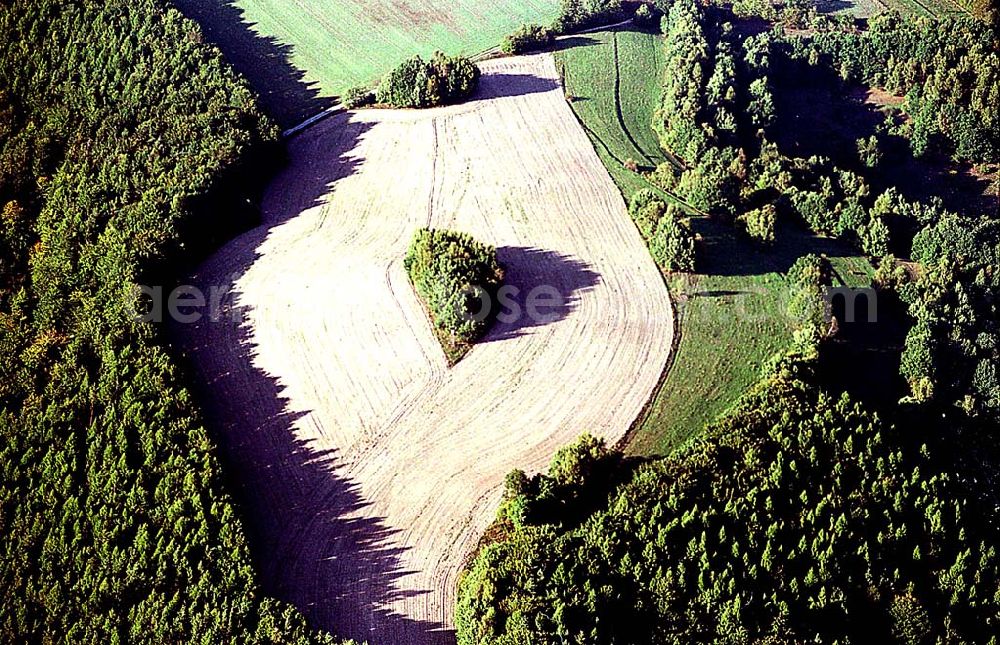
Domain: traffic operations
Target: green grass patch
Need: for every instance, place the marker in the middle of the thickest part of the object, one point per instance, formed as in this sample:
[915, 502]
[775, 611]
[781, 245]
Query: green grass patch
[733, 318]
[295, 50]
[612, 83]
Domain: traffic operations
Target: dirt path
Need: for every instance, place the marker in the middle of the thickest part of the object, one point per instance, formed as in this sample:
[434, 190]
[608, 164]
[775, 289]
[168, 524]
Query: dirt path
[368, 469]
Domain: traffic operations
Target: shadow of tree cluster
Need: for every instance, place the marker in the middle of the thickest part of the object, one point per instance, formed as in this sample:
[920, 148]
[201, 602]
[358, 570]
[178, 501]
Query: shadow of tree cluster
[548, 286]
[502, 85]
[725, 252]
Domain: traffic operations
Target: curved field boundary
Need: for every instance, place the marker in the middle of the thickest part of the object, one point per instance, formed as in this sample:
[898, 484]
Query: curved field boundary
[484, 55]
[369, 468]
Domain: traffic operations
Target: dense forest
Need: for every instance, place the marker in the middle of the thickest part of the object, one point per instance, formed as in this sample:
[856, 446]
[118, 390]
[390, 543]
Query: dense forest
[121, 138]
[799, 517]
[802, 515]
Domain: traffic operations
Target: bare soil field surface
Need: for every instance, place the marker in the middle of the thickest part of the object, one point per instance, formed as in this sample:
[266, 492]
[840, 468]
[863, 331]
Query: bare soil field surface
[366, 467]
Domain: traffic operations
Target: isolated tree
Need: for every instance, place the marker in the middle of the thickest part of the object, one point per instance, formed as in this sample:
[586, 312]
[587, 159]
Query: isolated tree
[761, 106]
[875, 237]
[672, 243]
[870, 151]
[759, 224]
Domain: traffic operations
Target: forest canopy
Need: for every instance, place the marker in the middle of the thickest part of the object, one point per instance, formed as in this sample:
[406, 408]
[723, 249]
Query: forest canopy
[799, 517]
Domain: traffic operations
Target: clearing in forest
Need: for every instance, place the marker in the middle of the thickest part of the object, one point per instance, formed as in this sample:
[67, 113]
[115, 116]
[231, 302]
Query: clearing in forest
[612, 81]
[369, 469]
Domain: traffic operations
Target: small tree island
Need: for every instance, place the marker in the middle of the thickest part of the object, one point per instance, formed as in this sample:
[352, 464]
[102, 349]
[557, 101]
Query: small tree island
[457, 279]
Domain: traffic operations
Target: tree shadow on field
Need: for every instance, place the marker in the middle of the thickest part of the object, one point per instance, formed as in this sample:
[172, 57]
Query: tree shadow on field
[493, 86]
[312, 540]
[263, 60]
[569, 42]
[548, 288]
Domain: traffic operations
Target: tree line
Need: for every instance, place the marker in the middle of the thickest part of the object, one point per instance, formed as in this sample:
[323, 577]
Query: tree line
[123, 142]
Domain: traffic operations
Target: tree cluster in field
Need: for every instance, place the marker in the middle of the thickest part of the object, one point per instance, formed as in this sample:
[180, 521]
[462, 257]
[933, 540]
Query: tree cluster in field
[417, 83]
[526, 38]
[455, 275]
[666, 229]
[123, 139]
[799, 517]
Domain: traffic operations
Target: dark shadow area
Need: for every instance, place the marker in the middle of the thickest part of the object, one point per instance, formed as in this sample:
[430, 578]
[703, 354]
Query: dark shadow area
[748, 26]
[569, 42]
[311, 541]
[936, 176]
[833, 6]
[548, 287]
[863, 358]
[493, 86]
[818, 118]
[263, 60]
[725, 252]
